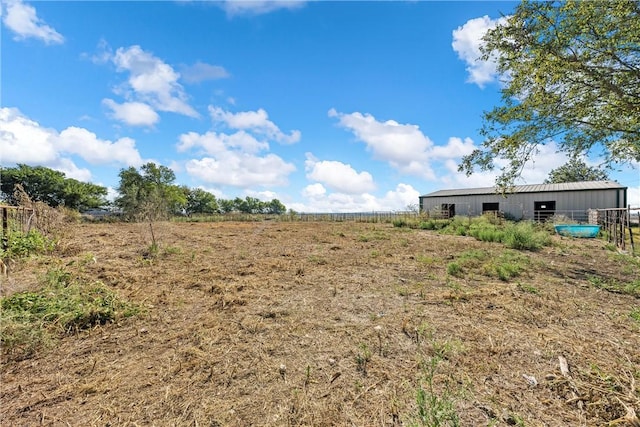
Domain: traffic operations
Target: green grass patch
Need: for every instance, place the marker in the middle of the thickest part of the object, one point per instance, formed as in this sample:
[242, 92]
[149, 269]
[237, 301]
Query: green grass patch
[505, 266]
[635, 314]
[32, 320]
[20, 245]
[616, 286]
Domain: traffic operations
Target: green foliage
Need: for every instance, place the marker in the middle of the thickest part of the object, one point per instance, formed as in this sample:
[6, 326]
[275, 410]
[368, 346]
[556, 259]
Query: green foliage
[635, 314]
[573, 78]
[434, 409]
[21, 245]
[200, 202]
[525, 235]
[613, 285]
[149, 194]
[576, 170]
[51, 187]
[32, 319]
[454, 269]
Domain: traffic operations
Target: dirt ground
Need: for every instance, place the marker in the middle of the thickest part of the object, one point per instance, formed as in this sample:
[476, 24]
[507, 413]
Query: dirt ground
[342, 324]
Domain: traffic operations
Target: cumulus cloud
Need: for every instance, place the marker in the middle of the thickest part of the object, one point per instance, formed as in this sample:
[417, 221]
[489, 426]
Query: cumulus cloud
[22, 19]
[467, 41]
[213, 143]
[23, 140]
[241, 170]
[403, 146]
[255, 121]
[234, 160]
[86, 144]
[338, 176]
[318, 199]
[132, 113]
[152, 85]
[257, 7]
[201, 71]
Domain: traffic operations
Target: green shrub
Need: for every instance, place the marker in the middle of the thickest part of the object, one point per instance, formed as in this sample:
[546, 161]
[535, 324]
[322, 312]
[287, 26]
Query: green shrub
[31, 320]
[454, 269]
[22, 245]
[524, 235]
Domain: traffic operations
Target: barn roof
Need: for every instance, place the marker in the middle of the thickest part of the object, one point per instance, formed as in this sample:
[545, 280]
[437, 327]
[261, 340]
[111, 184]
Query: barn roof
[533, 188]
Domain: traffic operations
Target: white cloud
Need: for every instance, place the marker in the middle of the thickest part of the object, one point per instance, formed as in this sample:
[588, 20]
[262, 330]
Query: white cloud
[314, 191]
[201, 71]
[455, 148]
[467, 41]
[70, 170]
[218, 143]
[86, 144]
[403, 146]
[233, 160]
[132, 113]
[338, 176]
[22, 19]
[258, 7]
[254, 121]
[23, 140]
[241, 170]
[317, 199]
[151, 80]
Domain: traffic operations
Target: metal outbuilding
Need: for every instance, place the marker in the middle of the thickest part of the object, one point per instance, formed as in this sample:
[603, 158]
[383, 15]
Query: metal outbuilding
[539, 201]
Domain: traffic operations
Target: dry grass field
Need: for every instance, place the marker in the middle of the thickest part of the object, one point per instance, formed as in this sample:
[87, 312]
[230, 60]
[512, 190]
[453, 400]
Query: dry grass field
[333, 324]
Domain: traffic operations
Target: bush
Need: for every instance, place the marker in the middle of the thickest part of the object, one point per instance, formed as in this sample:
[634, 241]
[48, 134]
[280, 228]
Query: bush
[31, 320]
[524, 235]
[22, 245]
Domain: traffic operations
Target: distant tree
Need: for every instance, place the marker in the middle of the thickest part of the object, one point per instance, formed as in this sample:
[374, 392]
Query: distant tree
[149, 194]
[226, 205]
[575, 170]
[51, 187]
[200, 201]
[275, 207]
[571, 75]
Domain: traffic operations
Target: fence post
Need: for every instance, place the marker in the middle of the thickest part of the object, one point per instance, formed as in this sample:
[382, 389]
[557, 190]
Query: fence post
[5, 228]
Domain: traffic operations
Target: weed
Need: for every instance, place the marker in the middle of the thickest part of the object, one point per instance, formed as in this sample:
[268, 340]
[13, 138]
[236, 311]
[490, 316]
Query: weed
[454, 269]
[613, 285]
[635, 314]
[32, 319]
[20, 245]
[318, 260]
[433, 409]
[528, 288]
[362, 359]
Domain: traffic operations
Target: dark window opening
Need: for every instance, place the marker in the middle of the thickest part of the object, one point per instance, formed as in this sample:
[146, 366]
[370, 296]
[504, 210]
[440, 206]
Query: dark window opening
[490, 207]
[543, 210]
[448, 210]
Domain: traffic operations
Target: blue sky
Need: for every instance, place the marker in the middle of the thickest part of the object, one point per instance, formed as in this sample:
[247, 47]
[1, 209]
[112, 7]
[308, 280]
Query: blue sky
[326, 106]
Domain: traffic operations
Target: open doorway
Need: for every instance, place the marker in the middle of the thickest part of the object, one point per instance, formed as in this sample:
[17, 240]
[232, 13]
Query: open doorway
[543, 210]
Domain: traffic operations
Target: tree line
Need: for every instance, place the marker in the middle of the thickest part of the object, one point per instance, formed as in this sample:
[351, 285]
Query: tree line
[146, 193]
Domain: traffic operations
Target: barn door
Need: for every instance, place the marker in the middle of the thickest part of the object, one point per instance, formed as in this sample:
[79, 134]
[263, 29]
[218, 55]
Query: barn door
[544, 210]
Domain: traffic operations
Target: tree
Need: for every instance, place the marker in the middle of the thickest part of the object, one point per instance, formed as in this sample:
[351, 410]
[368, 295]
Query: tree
[149, 194]
[200, 201]
[572, 75]
[575, 170]
[51, 187]
[275, 207]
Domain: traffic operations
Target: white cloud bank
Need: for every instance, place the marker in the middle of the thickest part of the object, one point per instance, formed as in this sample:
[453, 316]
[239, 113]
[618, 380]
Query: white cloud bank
[467, 41]
[23, 140]
[22, 19]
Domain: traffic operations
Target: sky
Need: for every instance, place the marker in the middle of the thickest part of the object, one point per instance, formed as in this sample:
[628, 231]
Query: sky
[327, 106]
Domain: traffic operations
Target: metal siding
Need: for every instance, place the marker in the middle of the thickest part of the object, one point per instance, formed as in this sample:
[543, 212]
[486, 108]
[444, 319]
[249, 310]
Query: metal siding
[521, 205]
